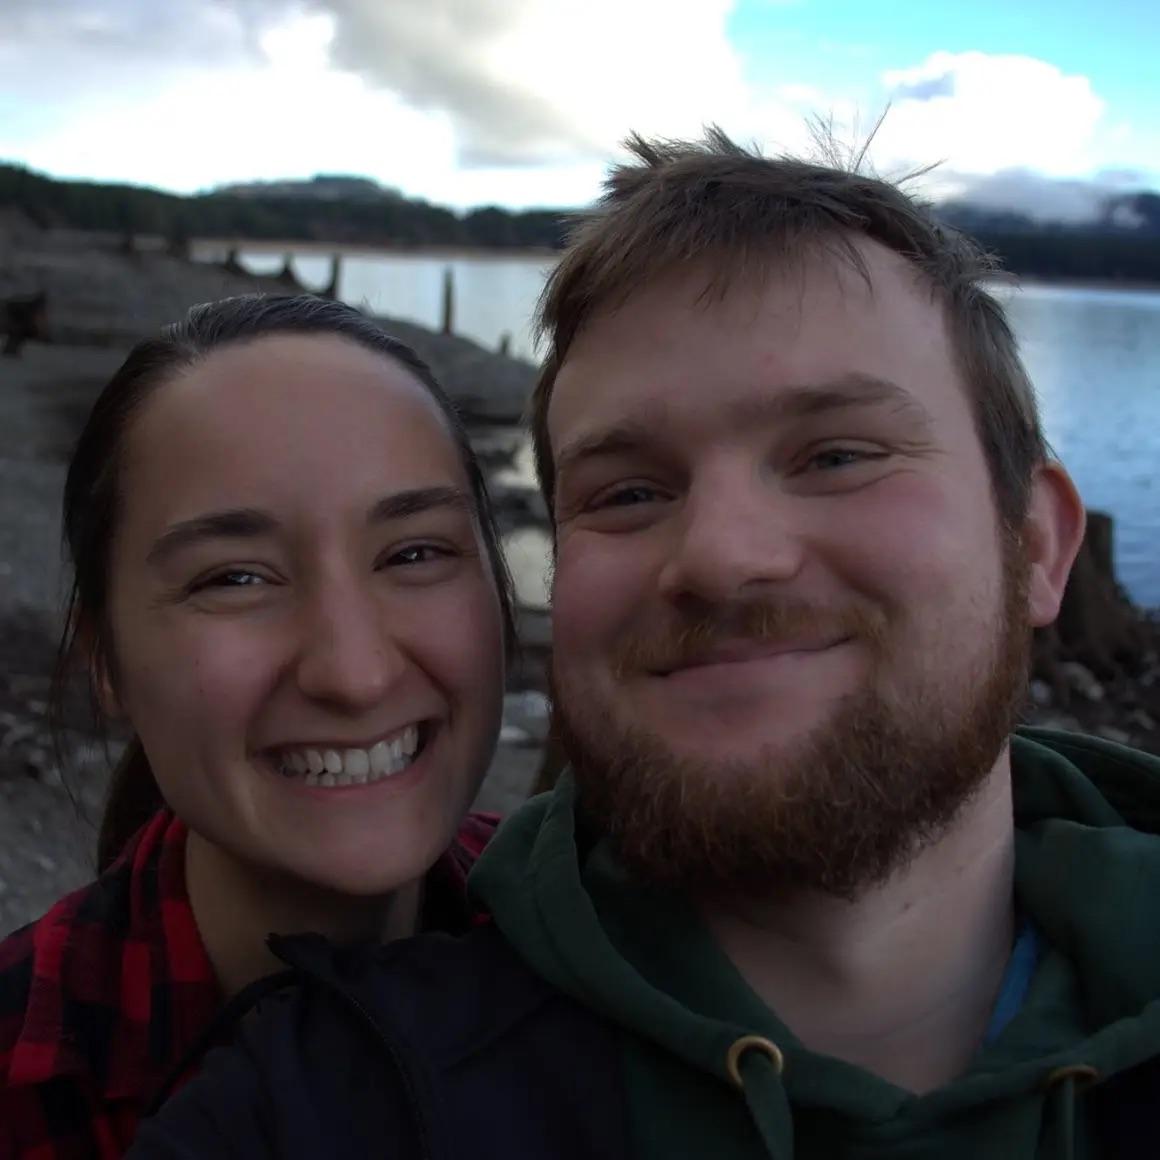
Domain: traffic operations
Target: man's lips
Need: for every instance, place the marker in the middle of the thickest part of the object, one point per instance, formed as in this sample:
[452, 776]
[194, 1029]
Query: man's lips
[745, 651]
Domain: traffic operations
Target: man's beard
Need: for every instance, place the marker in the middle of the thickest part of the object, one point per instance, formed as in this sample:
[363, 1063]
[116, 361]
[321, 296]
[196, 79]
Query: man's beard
[839, 811]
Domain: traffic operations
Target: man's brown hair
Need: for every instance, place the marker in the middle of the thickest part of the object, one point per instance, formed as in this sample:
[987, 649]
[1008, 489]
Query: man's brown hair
[745, 214]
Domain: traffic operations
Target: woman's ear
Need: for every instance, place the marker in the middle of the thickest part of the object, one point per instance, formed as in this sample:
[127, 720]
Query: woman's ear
[1052, 535]
[100, 673]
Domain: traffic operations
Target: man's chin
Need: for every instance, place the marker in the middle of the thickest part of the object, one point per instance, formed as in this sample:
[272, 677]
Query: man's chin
[741, 735]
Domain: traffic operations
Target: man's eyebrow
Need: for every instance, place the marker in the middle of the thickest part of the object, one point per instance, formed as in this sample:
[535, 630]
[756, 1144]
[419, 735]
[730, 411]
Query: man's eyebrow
[234, 524]
[847, 392]
[621, 439]
[417, 500]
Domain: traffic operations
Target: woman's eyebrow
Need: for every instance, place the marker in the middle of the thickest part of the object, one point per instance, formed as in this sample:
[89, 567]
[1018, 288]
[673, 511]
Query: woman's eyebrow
[417, 500]
[234, 524]
[249, 523]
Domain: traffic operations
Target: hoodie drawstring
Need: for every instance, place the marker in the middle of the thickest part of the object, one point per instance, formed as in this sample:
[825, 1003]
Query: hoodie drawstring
[1062, 1085]
[754, 1065]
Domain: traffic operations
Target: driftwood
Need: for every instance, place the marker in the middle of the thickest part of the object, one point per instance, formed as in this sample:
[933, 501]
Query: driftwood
[287, 276]
[233, 264]
[22, 319]
[331, 288]
[178, 245]
[1098, 627]
[447, 325]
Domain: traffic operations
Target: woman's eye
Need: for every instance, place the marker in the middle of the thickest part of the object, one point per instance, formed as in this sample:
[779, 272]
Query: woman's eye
[416, 554]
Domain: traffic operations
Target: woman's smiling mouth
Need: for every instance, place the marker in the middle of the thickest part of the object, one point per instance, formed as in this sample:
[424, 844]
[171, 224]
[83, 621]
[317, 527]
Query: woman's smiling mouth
[326, 765]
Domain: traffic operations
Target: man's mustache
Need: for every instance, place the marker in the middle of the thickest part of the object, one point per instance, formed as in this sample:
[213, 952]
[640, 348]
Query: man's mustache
[690, 639]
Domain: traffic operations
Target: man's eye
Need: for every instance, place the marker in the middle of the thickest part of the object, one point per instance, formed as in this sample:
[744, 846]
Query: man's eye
[234, 578]
[836, 457]
[626, 497]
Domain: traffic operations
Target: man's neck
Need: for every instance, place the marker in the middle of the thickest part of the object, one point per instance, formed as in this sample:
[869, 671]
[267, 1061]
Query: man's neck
[237, 906]
[903, 980]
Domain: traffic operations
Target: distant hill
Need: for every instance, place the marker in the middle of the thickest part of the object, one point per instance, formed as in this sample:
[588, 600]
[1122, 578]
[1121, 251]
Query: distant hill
[323, 187]
[1133, 214]
[326, 209]
[1122, 243]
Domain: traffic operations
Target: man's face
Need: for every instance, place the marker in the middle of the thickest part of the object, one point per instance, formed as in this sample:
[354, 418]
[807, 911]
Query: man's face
[791, 635]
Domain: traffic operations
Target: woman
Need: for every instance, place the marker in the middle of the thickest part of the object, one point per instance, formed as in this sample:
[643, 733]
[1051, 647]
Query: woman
[288, 586]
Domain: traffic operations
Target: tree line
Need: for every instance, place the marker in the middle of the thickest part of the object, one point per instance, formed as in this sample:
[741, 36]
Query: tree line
[355, 211]
[387, 219]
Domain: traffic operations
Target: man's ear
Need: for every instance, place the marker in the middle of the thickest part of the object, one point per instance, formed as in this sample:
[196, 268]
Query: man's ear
[1052, 535]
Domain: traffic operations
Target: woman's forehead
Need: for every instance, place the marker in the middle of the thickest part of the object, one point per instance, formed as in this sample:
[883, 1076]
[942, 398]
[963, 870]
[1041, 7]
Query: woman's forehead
[289, 415]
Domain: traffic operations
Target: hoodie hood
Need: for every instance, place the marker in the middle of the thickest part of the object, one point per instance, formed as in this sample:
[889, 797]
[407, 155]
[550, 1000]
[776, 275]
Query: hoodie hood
[711, 1069]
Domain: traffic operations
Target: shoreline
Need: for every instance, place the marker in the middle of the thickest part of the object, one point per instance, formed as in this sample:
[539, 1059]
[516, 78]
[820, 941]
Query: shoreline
[281, 248]
[1018, 281]
[372, 249]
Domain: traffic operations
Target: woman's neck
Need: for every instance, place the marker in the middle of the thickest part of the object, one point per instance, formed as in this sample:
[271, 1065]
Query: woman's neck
[236, 906]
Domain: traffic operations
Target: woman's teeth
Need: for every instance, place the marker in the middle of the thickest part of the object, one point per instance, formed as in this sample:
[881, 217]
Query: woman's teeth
[328, 768]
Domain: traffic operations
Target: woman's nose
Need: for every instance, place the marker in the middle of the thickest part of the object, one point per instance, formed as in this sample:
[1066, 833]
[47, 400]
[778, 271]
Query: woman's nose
[348, 657]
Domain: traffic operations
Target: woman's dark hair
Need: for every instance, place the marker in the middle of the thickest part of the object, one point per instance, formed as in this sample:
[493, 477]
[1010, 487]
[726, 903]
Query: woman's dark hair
[92, 498]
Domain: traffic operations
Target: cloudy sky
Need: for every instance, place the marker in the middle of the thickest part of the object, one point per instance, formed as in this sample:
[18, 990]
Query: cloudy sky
[1041, 104]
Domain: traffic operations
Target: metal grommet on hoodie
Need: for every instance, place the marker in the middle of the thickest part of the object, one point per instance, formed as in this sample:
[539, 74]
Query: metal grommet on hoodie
[751, 1043]
[1083, 1074]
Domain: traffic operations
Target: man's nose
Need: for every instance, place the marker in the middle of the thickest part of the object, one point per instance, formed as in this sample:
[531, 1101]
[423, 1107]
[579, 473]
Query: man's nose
[736, 533]
[348, 657]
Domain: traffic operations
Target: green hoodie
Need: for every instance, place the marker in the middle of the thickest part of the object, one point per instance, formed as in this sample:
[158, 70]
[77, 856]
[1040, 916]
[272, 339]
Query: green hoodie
[1087, 875]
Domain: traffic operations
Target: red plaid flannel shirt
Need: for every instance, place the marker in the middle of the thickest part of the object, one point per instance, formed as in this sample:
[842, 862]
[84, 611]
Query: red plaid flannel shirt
[102, 997]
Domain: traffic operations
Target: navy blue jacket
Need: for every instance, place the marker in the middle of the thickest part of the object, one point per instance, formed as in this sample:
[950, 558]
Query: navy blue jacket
[438, 1048]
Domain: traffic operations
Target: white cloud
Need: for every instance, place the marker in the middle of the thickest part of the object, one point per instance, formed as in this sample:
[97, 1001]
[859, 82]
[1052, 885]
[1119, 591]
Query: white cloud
[286, 113]
[981, 113]
[520, 101]
[529, 81]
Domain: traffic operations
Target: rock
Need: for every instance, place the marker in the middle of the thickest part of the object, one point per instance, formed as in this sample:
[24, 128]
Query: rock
[1061, 721]
[1142, 720]
[514, 735]
[535, 627]
[1111, 733]
[518, 505]
[1081, 680]
[1040, 693]
[17, 734]
[529, 712]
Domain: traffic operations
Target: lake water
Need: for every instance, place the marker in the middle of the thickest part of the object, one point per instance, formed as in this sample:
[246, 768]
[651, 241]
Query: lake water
[1094, 356]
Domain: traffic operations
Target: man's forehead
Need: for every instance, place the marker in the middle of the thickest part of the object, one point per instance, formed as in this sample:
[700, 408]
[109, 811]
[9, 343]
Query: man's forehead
[789, 343]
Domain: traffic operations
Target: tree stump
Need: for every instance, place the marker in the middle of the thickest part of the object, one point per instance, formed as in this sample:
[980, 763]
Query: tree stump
[24, 318]
[1098, 626]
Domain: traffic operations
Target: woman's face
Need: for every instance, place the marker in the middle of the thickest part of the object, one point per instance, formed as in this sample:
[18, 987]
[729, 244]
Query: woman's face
[306, 634]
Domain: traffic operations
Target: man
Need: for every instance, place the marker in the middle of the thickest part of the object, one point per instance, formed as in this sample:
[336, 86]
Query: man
[804, 892]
